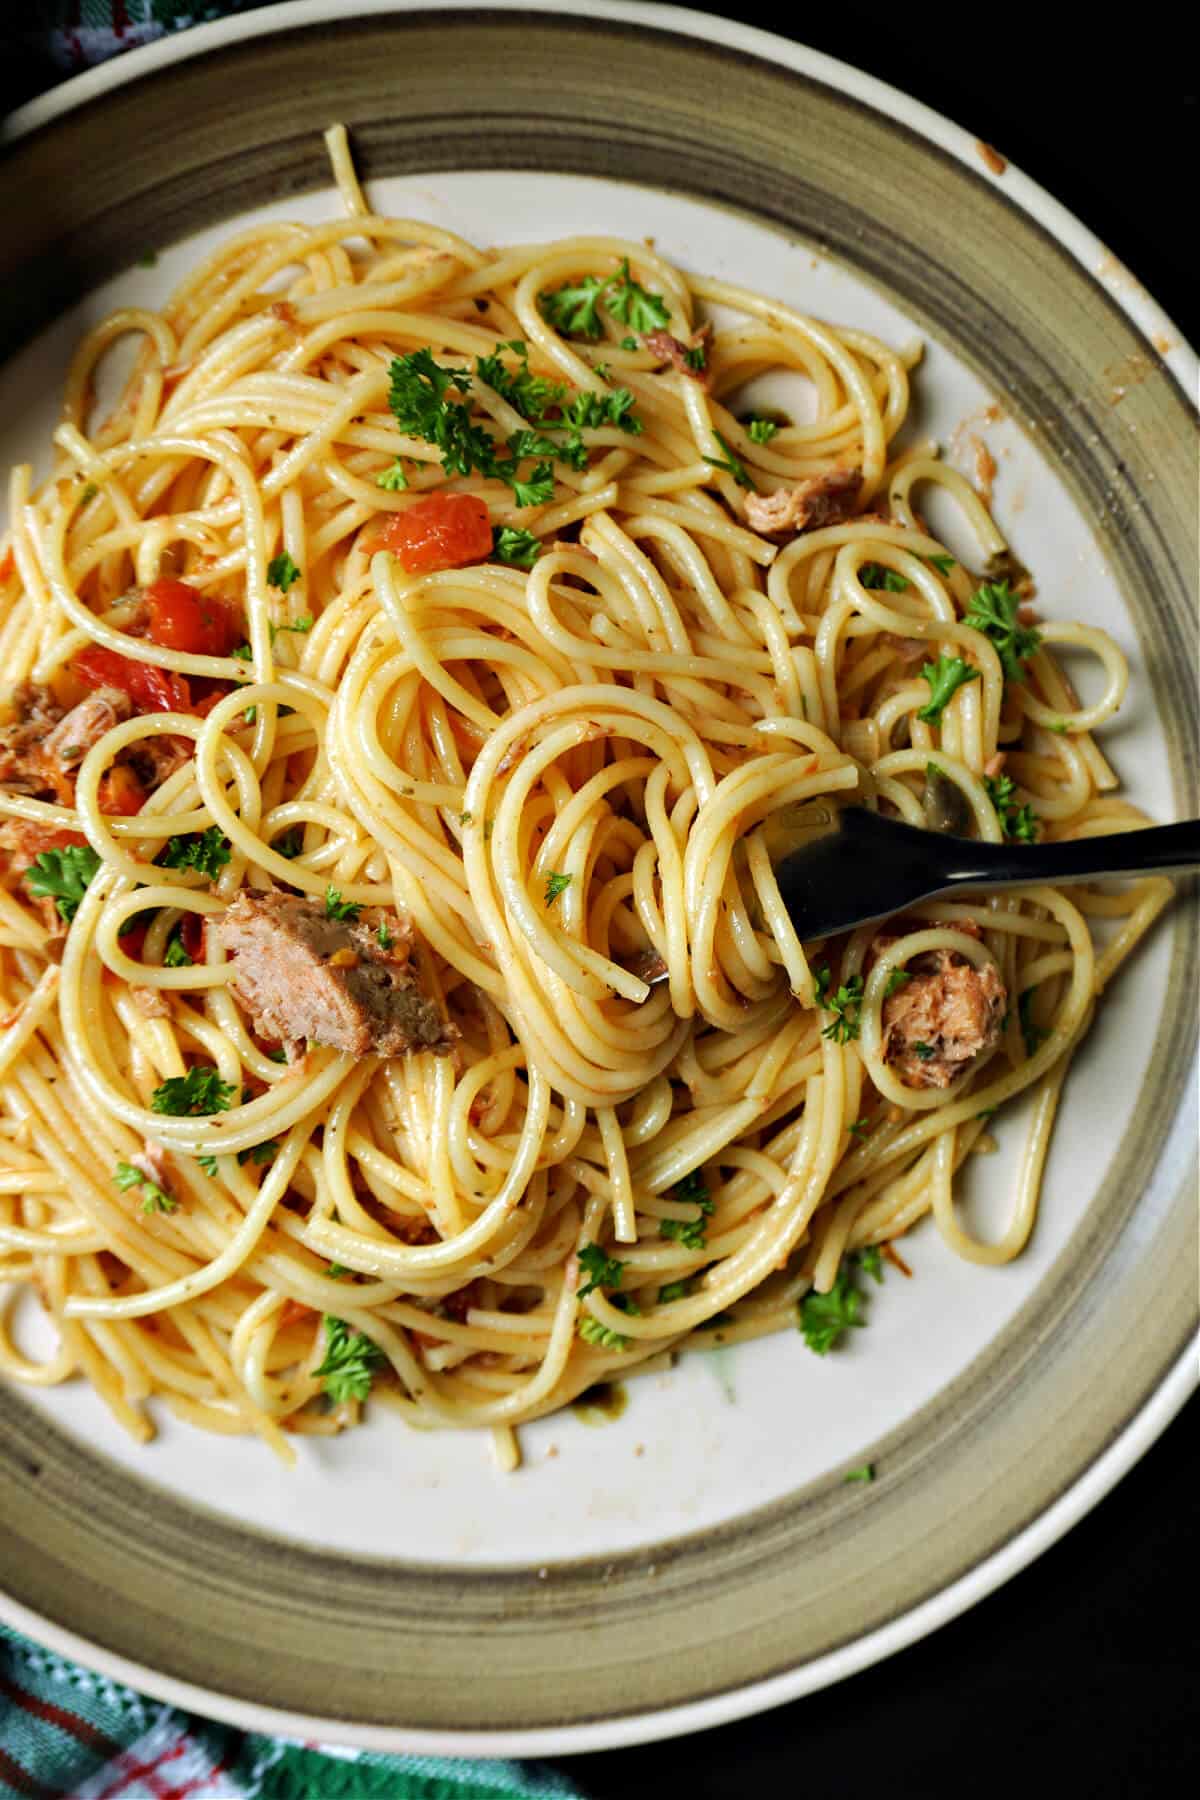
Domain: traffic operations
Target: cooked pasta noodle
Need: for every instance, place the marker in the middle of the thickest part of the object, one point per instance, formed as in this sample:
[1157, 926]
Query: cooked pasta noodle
[568, 776]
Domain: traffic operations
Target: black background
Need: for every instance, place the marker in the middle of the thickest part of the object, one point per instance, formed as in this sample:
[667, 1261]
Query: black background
[1081, 1673]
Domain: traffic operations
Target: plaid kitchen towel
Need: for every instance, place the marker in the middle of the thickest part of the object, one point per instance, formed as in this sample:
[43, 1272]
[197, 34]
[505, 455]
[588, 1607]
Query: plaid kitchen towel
[77, 33]
[68, 1734]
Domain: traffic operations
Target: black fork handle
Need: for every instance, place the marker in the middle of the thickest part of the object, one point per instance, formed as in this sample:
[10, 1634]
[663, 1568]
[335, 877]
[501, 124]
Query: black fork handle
[1156, 850]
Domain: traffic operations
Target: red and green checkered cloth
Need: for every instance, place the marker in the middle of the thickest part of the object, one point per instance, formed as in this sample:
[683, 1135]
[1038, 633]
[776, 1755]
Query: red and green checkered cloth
[69, 1734]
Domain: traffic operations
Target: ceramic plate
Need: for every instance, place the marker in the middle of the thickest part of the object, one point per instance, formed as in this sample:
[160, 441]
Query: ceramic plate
[702, 1556]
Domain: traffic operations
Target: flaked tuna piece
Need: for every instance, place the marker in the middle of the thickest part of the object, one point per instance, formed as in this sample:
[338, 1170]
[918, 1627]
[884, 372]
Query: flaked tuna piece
[71, 739]
[301, 974]
[946, 1014]
[816, 501]
[675, 351]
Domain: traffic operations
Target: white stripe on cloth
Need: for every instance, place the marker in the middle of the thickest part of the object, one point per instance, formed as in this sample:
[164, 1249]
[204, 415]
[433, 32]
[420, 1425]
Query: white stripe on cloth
[164, 1762]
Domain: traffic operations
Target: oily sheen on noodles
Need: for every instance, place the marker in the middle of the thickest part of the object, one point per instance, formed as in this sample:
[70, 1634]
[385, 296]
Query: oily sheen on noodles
[526, 786]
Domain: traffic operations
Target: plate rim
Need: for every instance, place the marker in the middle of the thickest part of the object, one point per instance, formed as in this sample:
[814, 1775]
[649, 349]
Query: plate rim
[1119, 286]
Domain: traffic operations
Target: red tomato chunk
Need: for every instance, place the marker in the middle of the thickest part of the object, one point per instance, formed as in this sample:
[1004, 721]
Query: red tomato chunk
[150, 689]
[182, 618]
[446, 531]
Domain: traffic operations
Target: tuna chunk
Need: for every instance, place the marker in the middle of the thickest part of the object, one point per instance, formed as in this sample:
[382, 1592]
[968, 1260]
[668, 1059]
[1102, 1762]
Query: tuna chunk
[944, 1016]
[300, 974]
[675, 351]
[24, 766]
[819, 500]
[71, 739]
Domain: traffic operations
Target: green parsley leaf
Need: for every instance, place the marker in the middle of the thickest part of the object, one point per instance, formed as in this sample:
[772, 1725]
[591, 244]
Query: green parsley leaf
[210, 1165]
[691, 1233]
[895, 981]
[282, 572]
[519, 548]
[696, 357]
[693, 1187]
[291, 843]
[601, 1269]
[858, 1128]
[156, 1198]
[555, 885]
[1034, 1035]
[761, 431]
[351, 1359]
[335, 1271]
[63, 876]
[870, 1261]
[821, 979]
[730, 462]
[865, 1474]
[925, 1052]
[943, 564]
[417, 398]
[675, 1290]
[174, 954]
[824, 1317]
[299, 626]
[259, 1153]
[630, 343]
[88, 492]
[572, 307]
[243, 653]
[207, 852]
[393, 480]
[592, 1331]
[845, 1006]
[589, 411]
[532, 492]
[875, 575]
[945, 677]
[201, 1090]
[1019, 822]
[337, 908]
[384, 936]
[993, 611]
[625, 299]
[278, 1055]
[530, 395]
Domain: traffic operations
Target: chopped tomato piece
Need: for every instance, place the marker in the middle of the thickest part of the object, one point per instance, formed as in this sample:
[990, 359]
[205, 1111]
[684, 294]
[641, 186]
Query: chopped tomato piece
[7, 564]
[133, 942]
[446, 531]
[150, 689]
[182, 618]
[191, 933]
[121, 793]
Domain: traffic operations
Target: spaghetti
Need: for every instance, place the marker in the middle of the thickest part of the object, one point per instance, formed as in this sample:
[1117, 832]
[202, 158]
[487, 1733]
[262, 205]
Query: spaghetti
[566, 764]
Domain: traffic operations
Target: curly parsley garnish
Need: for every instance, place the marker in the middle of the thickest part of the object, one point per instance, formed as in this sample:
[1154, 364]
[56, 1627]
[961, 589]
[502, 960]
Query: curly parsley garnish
[945, 677]
[824, 1317]
[845, 1005]
[1019, 822]
[337, 908]
[691, 1233]
[207, 852]
[282, 572]
[511, 545]
[156, 1199]
[601, 1269]
[351, 1359]
[875, 575]
[993, 611]
[556, 884]
[63, 876]
[201, 1090]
